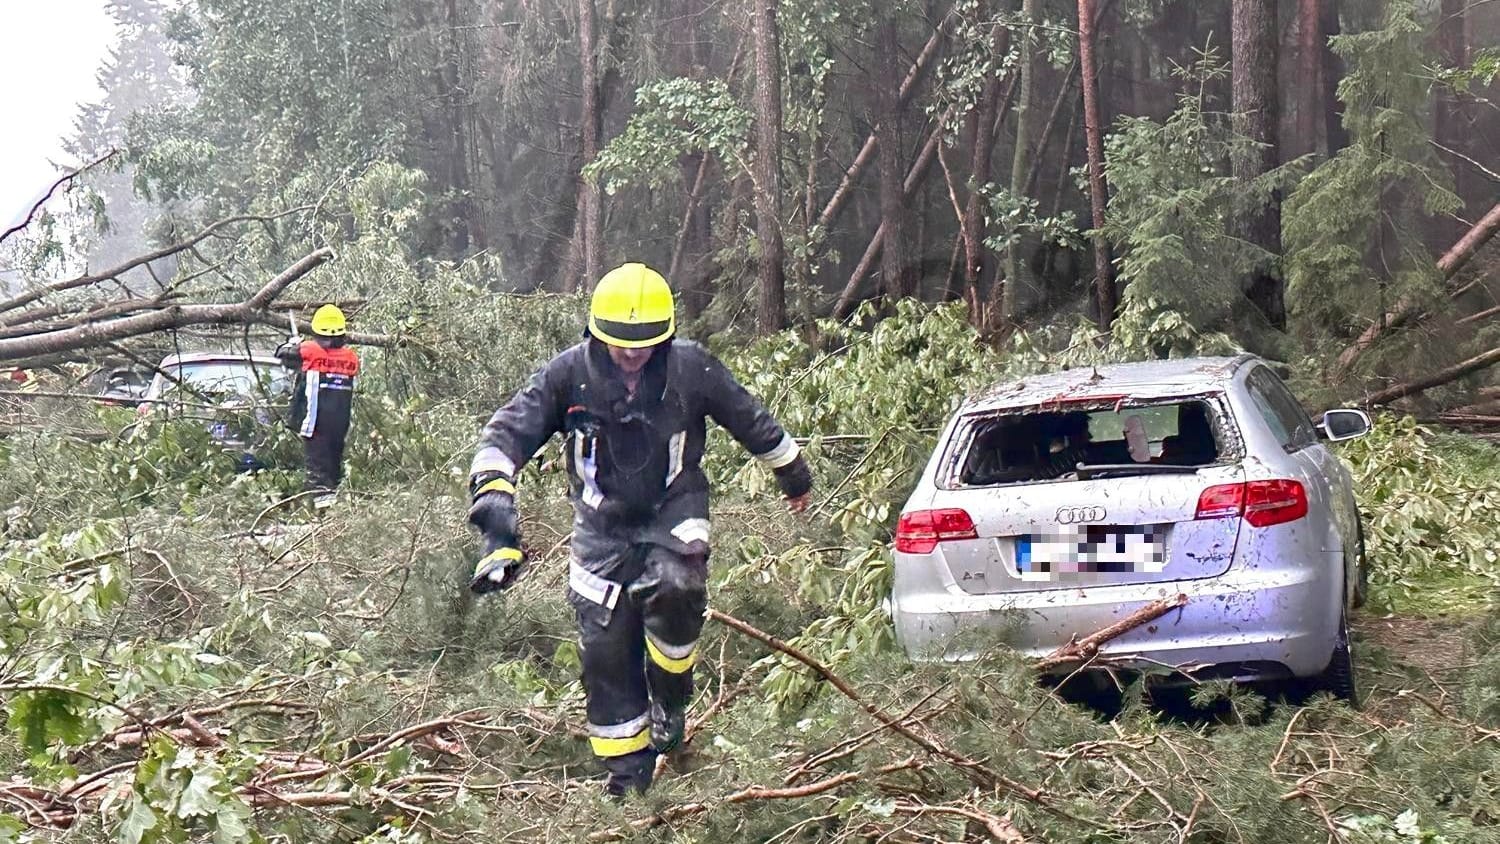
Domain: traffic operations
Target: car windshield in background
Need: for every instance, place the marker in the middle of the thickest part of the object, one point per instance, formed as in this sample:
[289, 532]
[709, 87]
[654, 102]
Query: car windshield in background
[1028, 445]
[231, 379]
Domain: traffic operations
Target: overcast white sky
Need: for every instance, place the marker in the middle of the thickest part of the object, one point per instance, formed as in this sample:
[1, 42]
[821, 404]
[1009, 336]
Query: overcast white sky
[49, 53]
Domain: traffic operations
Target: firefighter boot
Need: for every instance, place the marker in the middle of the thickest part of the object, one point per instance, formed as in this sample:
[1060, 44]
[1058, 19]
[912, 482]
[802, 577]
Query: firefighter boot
[667, 726]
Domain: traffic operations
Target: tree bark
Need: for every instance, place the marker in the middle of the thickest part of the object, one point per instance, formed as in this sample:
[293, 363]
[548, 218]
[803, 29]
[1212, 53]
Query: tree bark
[1332, 71]
[1254, 94]
[1104, 283]
[768, 168]
[590, 121]
[982, 152]
[1309, 74]
[1019, 290]
[898, 276]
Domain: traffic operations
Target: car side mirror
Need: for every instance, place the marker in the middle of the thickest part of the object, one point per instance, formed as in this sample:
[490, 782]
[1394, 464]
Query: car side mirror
[1344, 424]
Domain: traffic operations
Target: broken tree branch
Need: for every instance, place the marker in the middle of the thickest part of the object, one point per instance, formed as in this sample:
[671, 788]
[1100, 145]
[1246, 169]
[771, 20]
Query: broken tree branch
[42, 292]
[173, 316]
[1087, 648]
[47, 197]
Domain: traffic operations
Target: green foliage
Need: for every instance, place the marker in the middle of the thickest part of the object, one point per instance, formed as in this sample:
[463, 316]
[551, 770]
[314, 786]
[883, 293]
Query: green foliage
[1353, 229]
[673, 118]
[1428, 504]
[1172, 203]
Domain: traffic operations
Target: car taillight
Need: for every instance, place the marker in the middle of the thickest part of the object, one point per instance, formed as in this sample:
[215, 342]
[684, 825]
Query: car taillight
[1261, 503]
[920, 531]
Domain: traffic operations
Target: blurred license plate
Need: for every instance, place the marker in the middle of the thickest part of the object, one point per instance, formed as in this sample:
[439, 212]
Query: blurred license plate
[219, 430]
[1091, 549]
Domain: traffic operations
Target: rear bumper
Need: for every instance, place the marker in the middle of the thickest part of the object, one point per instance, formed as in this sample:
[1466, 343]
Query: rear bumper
[1286, 615]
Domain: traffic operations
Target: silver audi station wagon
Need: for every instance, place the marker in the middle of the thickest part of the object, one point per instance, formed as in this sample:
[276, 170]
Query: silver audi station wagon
[1060, 504]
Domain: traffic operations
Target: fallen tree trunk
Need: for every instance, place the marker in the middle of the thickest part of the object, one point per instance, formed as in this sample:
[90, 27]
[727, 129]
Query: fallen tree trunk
[1408, 308]
[845, 189]
[252, 310]
[1436, 379]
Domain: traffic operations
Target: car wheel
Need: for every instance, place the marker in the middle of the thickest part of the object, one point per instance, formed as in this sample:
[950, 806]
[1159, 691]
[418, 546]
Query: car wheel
[1338, 679]
[1361, 568]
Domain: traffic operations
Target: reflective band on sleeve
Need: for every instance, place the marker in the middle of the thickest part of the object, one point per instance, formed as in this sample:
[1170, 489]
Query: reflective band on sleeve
[689, 531]
[783, 454]
[591, 586]
[674, 455]
[491, 459]
[310, 419]
[497, 485]
[676, 659]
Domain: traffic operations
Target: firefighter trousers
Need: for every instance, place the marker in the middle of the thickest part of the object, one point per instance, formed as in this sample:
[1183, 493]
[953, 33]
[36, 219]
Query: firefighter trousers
[324, 453]
[639, 638]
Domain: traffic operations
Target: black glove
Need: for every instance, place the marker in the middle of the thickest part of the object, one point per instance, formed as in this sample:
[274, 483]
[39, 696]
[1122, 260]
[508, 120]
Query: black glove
[795, 478]
[493, 512]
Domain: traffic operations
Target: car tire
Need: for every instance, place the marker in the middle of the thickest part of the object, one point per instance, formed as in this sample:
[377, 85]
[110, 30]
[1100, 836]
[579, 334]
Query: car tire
[1338, 679]
[1361, 568]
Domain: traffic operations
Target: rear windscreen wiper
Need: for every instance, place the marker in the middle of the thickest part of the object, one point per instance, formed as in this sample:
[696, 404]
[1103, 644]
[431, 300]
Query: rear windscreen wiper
[1085, 471]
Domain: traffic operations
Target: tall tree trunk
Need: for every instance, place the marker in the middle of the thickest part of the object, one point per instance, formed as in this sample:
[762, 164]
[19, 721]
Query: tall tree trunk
[1332, 72]
[1254, 94]
[768, 168]
[458, 155]
[982, 151]
[590, 120]
[1020, 292]
[1309, 74]
[898, 276]
[845, 189]
[1104, 283]
[1448, 128]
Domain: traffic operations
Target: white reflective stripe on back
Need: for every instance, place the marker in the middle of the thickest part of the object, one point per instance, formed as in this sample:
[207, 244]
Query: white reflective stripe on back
[310, 419]
[783, 454]
[602, 592]
[674, 455]
[689, 531]
[491, 459]
[588, 471]
[625, 730]
[673, 651]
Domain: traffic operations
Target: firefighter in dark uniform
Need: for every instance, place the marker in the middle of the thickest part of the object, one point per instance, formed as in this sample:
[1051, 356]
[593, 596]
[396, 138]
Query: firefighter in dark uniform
[632, 404]
[322, 400]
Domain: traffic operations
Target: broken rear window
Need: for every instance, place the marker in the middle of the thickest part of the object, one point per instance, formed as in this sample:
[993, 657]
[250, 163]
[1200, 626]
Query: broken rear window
[1044, 444]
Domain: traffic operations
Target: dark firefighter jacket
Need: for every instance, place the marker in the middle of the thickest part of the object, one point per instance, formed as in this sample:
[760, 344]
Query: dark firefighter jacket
[324, 392]
[633, 462]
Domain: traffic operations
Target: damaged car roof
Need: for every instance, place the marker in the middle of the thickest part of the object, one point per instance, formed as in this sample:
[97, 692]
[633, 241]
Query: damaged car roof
[1142, 379]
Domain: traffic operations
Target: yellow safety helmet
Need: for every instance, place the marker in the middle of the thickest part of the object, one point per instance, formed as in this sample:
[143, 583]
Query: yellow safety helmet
[632, 308]
[328, 321]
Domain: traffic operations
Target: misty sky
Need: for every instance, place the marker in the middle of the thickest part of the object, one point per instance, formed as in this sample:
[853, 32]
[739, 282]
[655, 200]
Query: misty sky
[49, 53]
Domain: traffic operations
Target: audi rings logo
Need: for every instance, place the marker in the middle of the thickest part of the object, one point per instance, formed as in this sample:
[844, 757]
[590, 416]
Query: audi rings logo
[1079, 515]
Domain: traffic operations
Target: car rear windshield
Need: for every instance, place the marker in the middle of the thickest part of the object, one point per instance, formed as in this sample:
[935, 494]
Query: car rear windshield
[1029, 445]
[238, 379]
